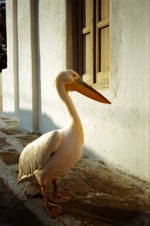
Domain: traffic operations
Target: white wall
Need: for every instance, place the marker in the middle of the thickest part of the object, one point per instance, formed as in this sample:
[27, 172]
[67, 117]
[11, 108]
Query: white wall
[51, 58]
[116, 134]
[119, 134]
[24, 66]
[129, 114]
[27, 64]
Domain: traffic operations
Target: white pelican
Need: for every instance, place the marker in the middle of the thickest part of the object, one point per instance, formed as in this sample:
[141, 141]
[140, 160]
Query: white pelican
[54, 153]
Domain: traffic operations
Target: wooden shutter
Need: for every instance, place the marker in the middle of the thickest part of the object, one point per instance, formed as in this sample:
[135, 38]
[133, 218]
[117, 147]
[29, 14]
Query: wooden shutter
[102, 42]
[87, 36]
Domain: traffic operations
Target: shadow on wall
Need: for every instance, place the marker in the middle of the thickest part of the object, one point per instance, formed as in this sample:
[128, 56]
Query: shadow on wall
[8, 114]
[49, 125]
[25, 123]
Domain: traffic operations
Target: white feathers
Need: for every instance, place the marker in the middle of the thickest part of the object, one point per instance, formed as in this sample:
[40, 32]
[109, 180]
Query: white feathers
[36, 154]
[65, 144]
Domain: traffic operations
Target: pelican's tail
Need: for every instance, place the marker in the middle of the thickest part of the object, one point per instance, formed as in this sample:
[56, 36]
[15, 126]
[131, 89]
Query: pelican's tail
[20, 172]
[22, 177]
[25, 178]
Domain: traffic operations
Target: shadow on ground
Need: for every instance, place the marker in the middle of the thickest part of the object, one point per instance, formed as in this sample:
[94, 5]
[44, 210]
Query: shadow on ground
[13, 211]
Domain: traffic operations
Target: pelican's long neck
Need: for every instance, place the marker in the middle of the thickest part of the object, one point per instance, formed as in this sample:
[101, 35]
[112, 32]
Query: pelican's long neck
[73, 115]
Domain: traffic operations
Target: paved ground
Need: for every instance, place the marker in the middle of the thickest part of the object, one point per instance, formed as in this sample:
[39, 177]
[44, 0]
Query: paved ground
[102, 196]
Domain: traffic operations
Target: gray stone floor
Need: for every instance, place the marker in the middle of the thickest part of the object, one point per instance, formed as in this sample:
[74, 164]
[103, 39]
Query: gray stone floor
[102, 195]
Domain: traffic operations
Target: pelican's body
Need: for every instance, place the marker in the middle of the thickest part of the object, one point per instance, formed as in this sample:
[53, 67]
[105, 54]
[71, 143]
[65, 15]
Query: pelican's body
[50, 162]
[54, 153]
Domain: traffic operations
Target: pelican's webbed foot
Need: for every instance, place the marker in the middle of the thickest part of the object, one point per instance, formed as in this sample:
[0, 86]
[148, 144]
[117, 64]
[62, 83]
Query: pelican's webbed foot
[60, 197]
[54, 210]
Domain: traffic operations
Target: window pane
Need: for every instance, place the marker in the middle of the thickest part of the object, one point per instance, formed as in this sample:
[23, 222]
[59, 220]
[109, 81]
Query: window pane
[104, 55]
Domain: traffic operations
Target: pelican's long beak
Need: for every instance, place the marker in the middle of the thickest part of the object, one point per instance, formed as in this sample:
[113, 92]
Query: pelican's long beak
[83, 88]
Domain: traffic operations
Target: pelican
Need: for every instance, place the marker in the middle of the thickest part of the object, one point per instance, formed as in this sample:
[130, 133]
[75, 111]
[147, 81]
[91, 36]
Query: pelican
[55, 152]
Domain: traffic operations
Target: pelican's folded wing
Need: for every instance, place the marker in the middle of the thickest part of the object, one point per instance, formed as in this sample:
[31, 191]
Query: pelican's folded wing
[36, 154]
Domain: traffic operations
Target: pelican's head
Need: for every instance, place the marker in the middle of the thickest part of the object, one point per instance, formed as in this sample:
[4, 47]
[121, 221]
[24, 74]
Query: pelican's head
[72, 82]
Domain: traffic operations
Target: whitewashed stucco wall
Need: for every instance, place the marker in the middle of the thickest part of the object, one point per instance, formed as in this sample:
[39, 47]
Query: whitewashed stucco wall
[130, 74]
[51, 58]
[25, 64]
[116, 134]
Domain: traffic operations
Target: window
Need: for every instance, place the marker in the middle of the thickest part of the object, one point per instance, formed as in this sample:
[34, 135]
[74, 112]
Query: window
[90, 40]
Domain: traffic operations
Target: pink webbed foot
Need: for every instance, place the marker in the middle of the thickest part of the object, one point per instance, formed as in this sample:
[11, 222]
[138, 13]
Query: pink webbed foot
[60, 197]
[54, 210]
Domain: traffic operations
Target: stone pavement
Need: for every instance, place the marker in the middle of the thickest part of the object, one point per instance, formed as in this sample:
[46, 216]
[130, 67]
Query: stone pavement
[102, 195]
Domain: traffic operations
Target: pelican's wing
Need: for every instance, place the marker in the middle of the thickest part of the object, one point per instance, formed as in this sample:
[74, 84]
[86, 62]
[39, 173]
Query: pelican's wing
[36, 154]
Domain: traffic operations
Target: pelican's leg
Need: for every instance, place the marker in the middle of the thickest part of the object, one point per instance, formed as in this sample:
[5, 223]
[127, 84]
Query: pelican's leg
[52, 209]
[59, 196]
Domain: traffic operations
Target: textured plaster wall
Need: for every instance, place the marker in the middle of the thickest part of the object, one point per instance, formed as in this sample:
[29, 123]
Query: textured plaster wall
[116, 134]
[119, 134]
[25, 64]
[129, 146]
[51, 59]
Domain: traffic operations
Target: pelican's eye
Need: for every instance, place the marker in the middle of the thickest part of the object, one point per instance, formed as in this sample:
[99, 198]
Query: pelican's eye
[74, 76]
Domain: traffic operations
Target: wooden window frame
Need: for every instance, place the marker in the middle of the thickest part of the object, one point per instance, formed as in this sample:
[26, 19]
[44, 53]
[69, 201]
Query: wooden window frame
[76, 29]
